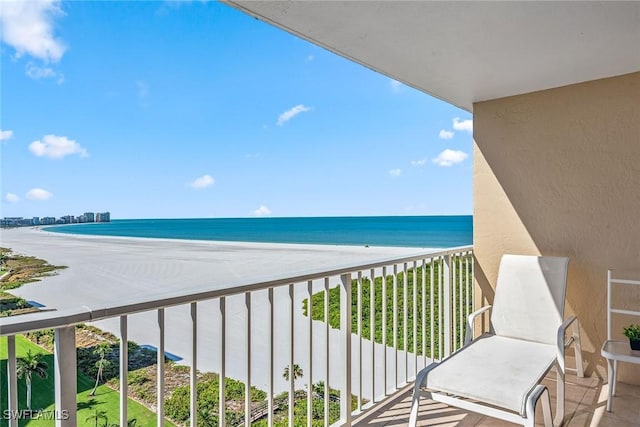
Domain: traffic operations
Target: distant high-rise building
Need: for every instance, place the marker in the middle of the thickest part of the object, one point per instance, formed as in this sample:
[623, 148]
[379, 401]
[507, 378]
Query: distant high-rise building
[12, 221]
[90, 217]
[35, 220]
[103, 217]
[47, 220]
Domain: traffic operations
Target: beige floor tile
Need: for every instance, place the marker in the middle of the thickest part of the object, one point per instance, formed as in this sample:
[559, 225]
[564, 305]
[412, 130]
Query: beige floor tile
[584, 407]
[493, 422]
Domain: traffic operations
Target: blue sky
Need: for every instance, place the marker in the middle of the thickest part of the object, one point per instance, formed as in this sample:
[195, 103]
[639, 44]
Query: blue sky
[193, 109]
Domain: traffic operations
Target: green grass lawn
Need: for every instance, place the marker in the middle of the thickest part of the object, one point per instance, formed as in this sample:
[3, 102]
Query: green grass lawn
[105, 399]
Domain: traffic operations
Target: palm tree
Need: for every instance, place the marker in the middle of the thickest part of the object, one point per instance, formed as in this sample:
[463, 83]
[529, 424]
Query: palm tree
[101, 350]
[99, 415]
[297, 372]
[29, 365]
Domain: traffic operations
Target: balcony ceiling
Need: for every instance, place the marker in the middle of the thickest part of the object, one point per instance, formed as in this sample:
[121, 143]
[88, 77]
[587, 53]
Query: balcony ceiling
[465, 52]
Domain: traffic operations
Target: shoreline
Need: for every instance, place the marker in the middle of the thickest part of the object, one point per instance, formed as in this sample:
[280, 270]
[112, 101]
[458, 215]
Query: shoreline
[267, 245]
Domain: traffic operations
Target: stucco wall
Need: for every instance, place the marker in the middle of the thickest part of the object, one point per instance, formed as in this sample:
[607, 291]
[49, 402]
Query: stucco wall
[557, 172]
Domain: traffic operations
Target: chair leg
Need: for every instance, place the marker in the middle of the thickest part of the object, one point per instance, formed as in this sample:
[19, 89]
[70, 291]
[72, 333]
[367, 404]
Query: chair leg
[418, 393]
[415, 404]
[559, 418]
[540, 392]
[577, 347]
[610, 380]
[546, 409]
[615, 376]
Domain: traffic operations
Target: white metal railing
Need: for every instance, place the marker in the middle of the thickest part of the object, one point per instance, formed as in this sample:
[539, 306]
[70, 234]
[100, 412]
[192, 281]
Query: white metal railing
[437, 295]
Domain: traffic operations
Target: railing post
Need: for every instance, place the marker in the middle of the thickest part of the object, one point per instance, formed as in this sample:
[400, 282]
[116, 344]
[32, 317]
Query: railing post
[12, 382]
[310, 367]
[326, 349]
[345, 333]
[372, 332]
[65, 376]
[292, 388]
[446, 302]
[405, 320]
[124, 368]
[222, 379]
[384, 330]
[271, 360]
[359, 332]
[247, 385]
[193, 373]
[395, 327]
[160, 371]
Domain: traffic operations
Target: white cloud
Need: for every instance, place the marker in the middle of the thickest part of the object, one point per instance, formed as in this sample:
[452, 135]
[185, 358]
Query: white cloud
[6, 134]
[56, 147]
[202, 182]
[36, 72]
[466, 125]
[395, 172]
[450, 157]
[446, 134]
[38, 194]
[262, 211]
[27, 26]
[291, 113]
[12, 198]
[420, 162]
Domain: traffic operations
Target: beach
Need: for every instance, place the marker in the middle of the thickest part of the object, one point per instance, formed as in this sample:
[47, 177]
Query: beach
[113, 269]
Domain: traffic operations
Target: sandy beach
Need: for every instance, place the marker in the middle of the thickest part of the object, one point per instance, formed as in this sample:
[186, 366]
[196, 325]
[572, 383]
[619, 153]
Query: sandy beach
[114, 269]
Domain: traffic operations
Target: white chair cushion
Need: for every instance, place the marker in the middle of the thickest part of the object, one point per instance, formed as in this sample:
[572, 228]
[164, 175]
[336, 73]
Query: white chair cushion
[529, 301]
[496, 370]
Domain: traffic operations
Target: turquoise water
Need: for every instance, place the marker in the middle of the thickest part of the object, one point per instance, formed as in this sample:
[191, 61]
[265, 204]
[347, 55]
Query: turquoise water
[410, 231]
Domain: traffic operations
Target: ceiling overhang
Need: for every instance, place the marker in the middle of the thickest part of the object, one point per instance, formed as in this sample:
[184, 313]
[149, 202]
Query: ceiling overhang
[467, 52]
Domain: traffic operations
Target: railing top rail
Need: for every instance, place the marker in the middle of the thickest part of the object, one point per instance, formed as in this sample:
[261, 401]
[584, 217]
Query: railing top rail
[82, 314]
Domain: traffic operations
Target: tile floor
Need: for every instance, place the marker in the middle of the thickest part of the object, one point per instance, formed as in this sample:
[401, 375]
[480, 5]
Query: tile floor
[584, 407]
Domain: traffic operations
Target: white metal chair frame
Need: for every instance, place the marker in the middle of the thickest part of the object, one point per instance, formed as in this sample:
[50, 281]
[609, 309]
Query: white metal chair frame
[538, 392]
[616, 350]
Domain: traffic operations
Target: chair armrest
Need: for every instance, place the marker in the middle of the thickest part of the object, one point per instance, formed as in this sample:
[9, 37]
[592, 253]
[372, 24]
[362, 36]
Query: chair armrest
[468, 337]
[562, 331]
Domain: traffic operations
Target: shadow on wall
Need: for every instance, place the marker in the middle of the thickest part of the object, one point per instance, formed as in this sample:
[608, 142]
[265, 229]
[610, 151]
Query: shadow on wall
[559, 171]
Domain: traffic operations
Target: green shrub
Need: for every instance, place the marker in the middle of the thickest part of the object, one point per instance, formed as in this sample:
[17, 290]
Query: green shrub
[317, 307]
[177, 405]
[138, 378]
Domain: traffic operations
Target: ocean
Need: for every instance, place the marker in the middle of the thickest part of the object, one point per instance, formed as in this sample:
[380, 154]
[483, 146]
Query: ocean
[407, 231]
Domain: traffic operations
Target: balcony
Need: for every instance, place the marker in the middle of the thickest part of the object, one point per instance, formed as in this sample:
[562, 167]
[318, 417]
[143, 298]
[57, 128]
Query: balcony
[259, 327]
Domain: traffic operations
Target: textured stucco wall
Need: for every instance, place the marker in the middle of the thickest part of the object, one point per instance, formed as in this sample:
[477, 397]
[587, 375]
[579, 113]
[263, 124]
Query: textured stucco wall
[557, 172]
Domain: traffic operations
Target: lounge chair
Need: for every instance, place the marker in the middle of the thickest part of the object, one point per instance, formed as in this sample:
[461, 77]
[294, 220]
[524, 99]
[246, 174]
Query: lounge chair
[499, 374]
